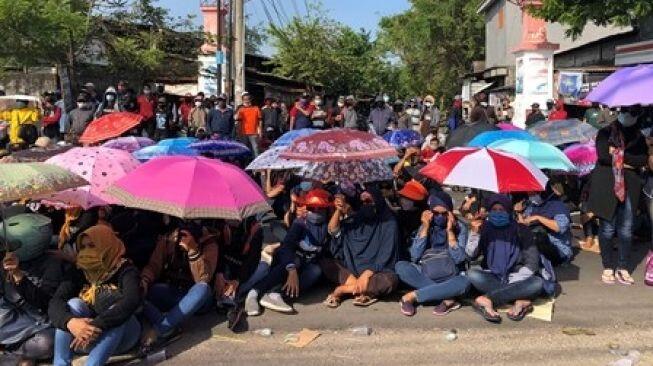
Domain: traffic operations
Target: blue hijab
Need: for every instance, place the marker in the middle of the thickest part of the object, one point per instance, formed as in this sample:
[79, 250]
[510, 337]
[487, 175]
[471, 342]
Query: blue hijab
[500, 244]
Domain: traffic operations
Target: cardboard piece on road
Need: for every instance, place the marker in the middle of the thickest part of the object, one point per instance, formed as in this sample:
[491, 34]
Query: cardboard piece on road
[542, 309]
[304, 338]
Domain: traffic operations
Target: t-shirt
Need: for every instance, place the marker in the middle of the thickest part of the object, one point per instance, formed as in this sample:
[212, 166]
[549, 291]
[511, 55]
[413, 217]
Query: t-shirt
[249, 118]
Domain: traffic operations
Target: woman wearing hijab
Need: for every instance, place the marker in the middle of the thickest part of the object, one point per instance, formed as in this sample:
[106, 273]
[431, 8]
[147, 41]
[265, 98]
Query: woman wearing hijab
[615, 190]
[437, 254]
[510, 264]
[94, 309]
[412, 202]
[366, 243]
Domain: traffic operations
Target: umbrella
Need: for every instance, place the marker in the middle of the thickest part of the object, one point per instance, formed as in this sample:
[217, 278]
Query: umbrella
[23, 180]
[486, 169]
[464, 134]
[287, 138]
[543, 155]
[339, 145]
[221, 148]
[155, 151]
[403, 138]
[506, 126]
[100, 166]
[625, 87]
[563, 132]
[348, 171]
[178, 141]
[109, 126]
[36, 154]
[270, 160]
[190, 188]
[583, 156]
[490, 137]
[130, 143]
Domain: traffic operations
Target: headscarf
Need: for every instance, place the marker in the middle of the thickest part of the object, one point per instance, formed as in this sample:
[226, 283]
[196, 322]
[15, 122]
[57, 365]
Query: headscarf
[438, 229]
[65, 234]
[500, 245]
[101, 262]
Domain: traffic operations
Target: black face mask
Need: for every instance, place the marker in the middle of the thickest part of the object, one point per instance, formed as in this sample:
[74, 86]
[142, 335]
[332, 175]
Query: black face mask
[367, 212]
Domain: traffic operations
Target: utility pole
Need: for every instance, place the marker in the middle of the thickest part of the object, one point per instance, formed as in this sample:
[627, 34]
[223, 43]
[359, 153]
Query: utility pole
[238, 55]
[219, 51]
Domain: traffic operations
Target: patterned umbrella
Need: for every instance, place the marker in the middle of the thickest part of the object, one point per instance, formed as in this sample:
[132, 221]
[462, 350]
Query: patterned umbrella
[563, 132]
[339, 145]
[583, 156]
[270, 160]
[129, 143]
[403, 138]
[155, 151]
[191, 187]
[109, 126]
[349, 172]
[26, 180]
[178, 142]
[490, 137]
[287, 138]
[100, 166]
[35, 155]
[543, 155]
[221, 148]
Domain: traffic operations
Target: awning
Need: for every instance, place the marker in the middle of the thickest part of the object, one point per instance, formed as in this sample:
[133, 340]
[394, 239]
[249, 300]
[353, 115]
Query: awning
[182, 89]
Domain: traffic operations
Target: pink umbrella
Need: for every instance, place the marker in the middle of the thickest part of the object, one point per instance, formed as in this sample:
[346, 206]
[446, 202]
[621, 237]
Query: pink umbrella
[339, 145]
[583, 156]
[191, 187]
[129, 143]
[508, 126]
[100, 166]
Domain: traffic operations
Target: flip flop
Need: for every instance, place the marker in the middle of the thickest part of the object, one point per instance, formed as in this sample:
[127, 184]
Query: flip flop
[364, 301]
[481, 310]
[332, 302]
[522, 313]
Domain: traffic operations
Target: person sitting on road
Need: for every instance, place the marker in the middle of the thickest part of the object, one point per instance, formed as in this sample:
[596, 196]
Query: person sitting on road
[510, 264]
[365, 245]
[412, 202]
[297, 258]
[437, 253]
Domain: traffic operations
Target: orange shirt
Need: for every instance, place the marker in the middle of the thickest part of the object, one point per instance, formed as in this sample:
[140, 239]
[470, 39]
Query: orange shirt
[249, 118]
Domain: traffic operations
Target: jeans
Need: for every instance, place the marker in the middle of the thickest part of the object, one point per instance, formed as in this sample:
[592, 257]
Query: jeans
[503, 293]
[112, 341]
[427, 289]
[253, 142]
[621, 224]
[259, 274]
[309, 273]
[178, 305]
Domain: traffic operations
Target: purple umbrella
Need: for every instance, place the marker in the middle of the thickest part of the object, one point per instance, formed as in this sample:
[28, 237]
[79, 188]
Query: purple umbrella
[129, 144]
[627, 86]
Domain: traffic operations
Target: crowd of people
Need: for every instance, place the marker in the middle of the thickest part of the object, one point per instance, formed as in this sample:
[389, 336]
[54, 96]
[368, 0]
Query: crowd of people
[119, 279]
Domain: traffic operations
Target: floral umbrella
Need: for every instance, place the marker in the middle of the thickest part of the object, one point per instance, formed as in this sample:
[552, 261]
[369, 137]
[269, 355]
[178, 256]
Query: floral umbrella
[109, 126]
[349, 172]
[221, 148]
[403, 138]
[25, 180]
[129, 143]
[101, 166]
[287, 138]
[583, 156]
[339, 145]
[270, 160]
[563, 132]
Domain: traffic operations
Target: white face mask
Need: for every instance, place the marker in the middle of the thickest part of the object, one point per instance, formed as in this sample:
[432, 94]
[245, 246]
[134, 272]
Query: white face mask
[81, 105]
[110, 98]
[386, 99]
[428, 104]
[341, 104]
[198, 104]
[626, 119]
[318, 102]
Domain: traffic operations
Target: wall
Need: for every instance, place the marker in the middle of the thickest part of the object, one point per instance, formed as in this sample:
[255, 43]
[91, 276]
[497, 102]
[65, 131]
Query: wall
[33, 81]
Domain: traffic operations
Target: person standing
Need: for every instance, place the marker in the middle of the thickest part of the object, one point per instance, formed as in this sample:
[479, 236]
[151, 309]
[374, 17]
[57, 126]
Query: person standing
[402, 119]
[249, 119]
[558, 113]
[51, 117]
[615, 190]
[414, 114]
[221, 119]
[271, 119]
[184, 109]
[349, 114]
[430, 116]
[334, 118]
[146, 107]
[300, 114]
[80, 117]
[165, 127]
[109, 103]
[381, 117]
[535, 115]
[592, 115]
[319, 115]
[198, 116]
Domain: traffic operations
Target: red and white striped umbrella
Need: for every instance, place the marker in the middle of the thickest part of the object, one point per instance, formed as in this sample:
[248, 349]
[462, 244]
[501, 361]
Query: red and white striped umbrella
[486, 169]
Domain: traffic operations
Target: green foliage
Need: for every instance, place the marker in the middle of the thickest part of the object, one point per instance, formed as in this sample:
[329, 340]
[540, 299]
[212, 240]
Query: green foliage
[577, 13]
[255, 36]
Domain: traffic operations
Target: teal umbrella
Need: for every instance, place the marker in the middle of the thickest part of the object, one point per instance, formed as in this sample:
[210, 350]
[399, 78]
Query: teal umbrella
[543, 155]
[490, 137]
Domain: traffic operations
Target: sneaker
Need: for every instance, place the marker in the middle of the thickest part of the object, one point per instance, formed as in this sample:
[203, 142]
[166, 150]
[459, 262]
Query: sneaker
[407, 308]
[624, 277]
[274, 301]
[252, 308]
[443, 309]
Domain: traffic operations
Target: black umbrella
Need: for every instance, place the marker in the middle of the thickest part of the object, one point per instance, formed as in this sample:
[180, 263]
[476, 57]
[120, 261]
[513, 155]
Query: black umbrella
[464, 134]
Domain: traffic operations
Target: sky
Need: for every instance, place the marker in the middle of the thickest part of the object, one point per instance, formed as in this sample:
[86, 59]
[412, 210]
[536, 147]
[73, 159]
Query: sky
[355, 13]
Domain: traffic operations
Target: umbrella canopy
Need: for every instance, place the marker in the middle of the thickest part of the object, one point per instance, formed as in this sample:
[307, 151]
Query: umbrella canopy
[505, 126]
[348, 171]
[625, 87]
[178, 141]
[25, 180]
[129, 143]
[109, 126]
[191, 187]
[486, 169]
[339, 145]
[221, 148]
[563, 132]
[270, 160]
[490, 137]
[36, 154]
[583, 156]
[464, 134]
[100, 166]
[287, 138]
[155, 151]
[543, 155]
[403, 138]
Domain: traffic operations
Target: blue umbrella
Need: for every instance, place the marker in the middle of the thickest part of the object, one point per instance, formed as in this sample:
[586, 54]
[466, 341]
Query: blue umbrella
[403, 138]
[179, 141]
[287, 138]
[487, 138]
[221, 148]
[154, 151]
[542, 154]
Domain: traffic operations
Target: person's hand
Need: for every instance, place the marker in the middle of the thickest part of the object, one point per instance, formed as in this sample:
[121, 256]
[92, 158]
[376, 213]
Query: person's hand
[11, 265]
[611, 150]
[145, 286]
[230, 288]
[530, 220]
[301, 211]
[341, 204]
[363, 282]
[475, 225]
[412, 151]
[451, 221]
[276, 190]
[187, 241]
[427, 216]
[83, 332]
[292, 283]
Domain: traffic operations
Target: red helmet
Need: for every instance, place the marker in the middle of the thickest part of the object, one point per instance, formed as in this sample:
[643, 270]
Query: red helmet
[317, 198]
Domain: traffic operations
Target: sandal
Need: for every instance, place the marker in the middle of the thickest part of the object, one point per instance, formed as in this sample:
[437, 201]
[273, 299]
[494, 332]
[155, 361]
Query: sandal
[522, 313]
[608, 277]
[496, 319]
[332, 302]
[625, 278]
[364, 301]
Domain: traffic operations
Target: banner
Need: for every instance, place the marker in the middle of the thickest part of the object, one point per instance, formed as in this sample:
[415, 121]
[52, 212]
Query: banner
[570, 84]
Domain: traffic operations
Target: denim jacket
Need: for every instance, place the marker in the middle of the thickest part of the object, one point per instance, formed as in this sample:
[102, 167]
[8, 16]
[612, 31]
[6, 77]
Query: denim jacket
[458, 254]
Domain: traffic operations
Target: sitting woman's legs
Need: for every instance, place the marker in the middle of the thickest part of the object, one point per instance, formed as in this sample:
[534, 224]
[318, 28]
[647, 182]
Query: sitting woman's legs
[196, 298]
[309, 274]
[449, 289]
[411, 274]
[114, 341]
[63, 355]
[527, 289]
[483, 281]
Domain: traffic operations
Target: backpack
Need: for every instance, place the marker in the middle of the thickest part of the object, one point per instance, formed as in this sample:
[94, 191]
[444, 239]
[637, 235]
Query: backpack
[438, 265]
[648, 278]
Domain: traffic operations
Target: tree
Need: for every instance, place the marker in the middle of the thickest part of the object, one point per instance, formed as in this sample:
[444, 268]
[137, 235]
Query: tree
[436, 42]
[576, 13]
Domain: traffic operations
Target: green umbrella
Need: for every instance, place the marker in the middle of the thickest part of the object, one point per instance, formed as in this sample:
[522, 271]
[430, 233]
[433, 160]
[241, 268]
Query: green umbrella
[26, 180]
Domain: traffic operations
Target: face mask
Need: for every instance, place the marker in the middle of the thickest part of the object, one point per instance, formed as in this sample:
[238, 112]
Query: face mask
[305, 186]
[89, 260]
[386, 99]
[367, 212]
[315, 218]
[626, 119]
[406, 204]
[110, 98]
[341, 104]
[499, 219]
[147, 92]
[440, 221]
[81, 105]
[318, 102]
[535, 199]
[198, 104]
[428, 105]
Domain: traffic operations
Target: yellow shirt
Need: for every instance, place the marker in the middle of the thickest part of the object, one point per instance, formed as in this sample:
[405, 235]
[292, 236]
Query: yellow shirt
[18, 117]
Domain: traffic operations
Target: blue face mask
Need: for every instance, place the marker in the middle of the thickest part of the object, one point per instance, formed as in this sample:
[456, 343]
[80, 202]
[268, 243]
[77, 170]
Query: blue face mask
[440, 221]
[499, 218]
[305, 186]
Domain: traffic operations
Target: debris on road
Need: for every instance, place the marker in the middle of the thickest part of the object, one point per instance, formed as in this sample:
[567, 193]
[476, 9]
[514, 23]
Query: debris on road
[361, 331]
[571, 331]
[302, 339]
[451, 335]
[264, 332]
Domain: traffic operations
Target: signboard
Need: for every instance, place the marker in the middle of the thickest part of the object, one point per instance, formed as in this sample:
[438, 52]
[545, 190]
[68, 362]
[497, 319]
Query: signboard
[570, 84]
